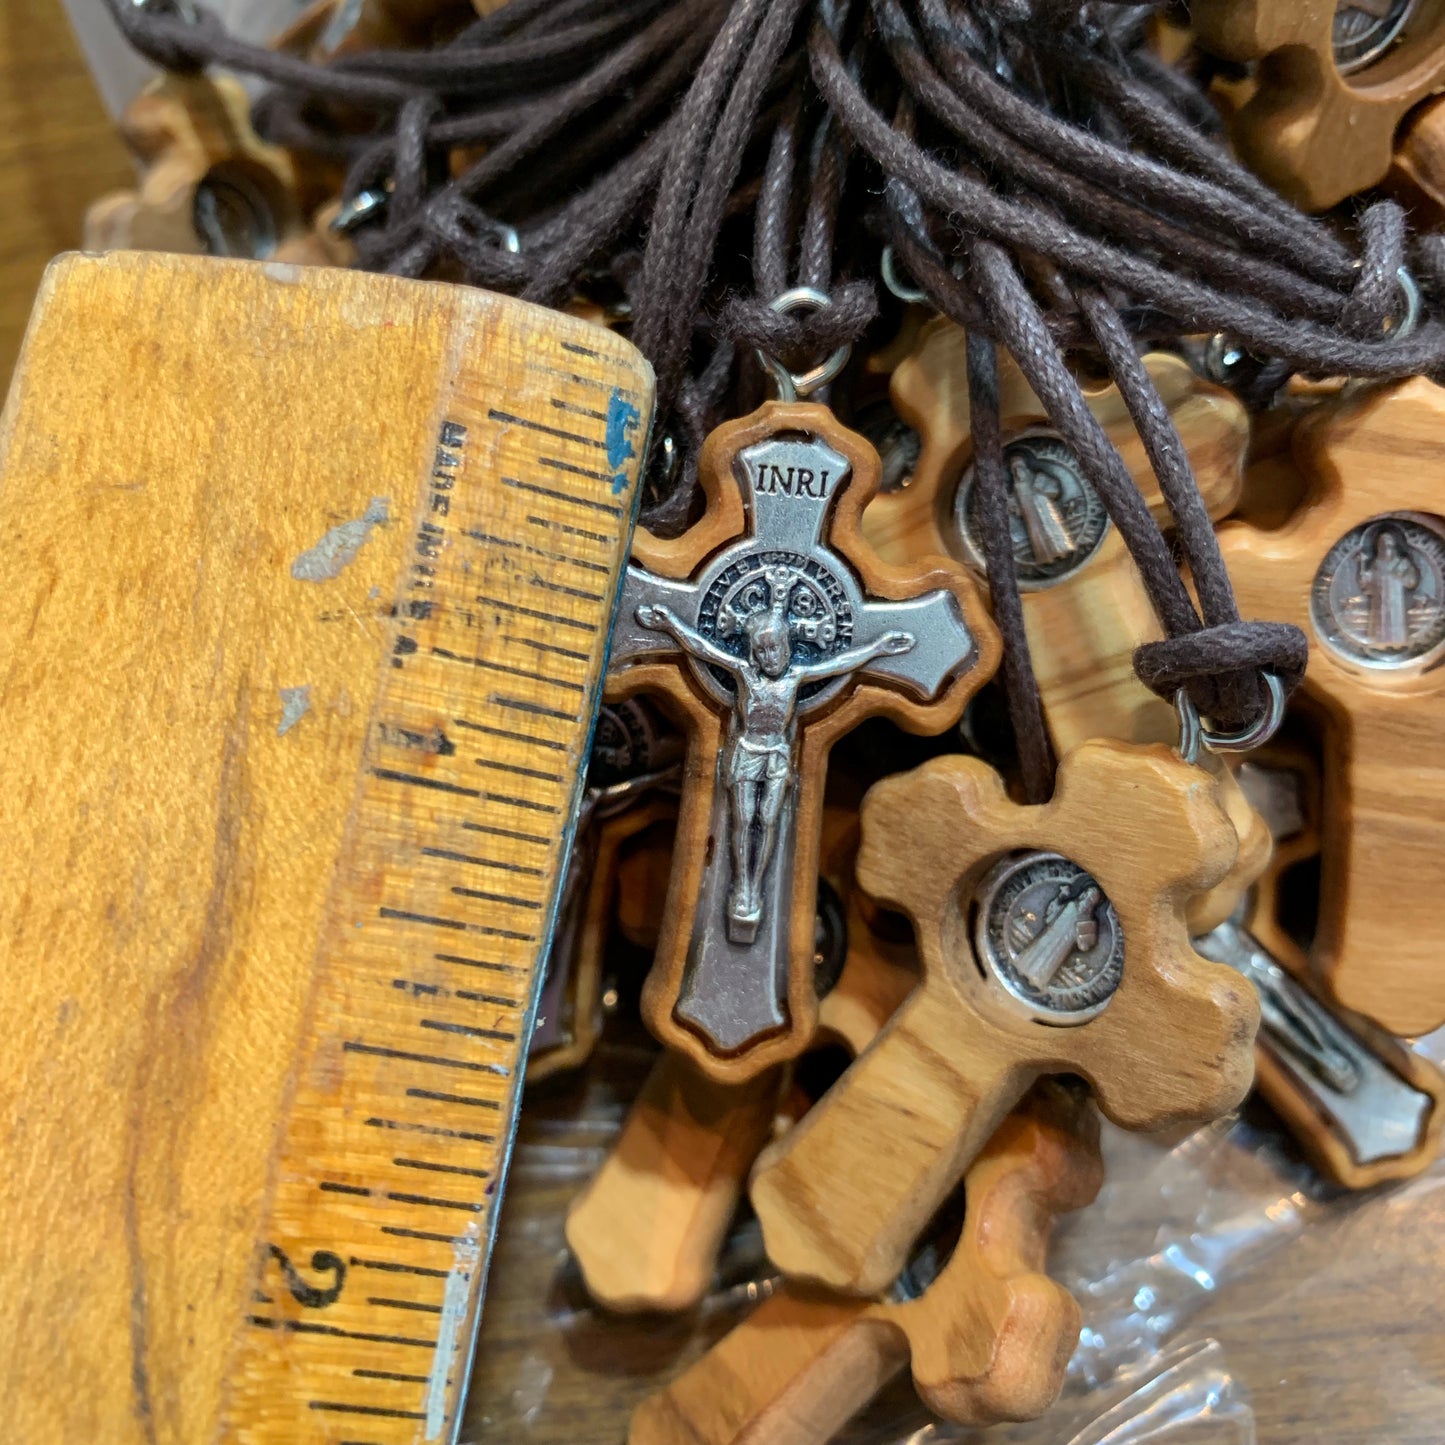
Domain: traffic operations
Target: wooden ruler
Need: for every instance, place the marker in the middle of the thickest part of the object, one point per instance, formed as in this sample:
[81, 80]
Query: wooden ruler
[352, 1316]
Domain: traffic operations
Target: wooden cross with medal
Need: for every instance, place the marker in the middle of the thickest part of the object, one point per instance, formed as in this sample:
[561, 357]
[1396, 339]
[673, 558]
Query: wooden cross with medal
[1362, 570]
[771, 628]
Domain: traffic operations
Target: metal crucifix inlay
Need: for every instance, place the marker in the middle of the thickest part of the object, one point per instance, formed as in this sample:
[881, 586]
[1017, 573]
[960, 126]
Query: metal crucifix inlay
[775, 628]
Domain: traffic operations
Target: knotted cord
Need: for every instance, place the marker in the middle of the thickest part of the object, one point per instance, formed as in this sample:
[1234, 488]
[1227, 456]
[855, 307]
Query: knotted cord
[1046, 180]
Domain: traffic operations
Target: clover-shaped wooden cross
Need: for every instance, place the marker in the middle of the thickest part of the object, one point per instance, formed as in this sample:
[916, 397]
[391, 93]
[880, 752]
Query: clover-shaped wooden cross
[1084, 603]
[929, 390]
[1053, 940]
[1362, 569]
[209, 182]
[1334, 79]
[988, 1337]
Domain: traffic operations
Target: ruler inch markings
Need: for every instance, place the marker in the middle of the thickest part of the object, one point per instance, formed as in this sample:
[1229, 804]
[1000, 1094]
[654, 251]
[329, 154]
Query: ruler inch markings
[551, 524]
[576, 410]
[566, 558]
[393, 1154]
[529, 674]
[561, 494]
[559, 433]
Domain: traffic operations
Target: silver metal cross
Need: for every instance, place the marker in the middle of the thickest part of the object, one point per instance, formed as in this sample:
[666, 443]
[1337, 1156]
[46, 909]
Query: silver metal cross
[775, 627]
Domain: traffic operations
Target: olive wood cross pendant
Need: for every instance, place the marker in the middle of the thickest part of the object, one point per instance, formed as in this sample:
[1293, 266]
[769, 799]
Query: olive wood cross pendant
[987, 1333]
[1052, 940]
[1330, 82]
[770, 628]
[1084, 603]
[1361, 567]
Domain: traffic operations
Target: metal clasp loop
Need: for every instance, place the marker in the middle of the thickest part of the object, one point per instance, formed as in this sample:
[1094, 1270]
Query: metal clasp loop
[791, 386]
[1193, 734]
[888, 268]
[1410, 290]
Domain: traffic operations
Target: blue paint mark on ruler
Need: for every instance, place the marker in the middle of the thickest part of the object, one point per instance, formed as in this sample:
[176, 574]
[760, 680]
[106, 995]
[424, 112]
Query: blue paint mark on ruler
[623, 420]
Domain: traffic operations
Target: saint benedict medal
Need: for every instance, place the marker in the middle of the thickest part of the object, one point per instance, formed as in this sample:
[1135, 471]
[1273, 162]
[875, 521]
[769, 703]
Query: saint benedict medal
[770, 628]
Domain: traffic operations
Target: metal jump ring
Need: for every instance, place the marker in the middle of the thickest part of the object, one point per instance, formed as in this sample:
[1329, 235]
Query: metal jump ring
[664, 460]
[1221, 356]
[1193, 734]
[360, 208]
[791, 386]
[888, 268]
[1410, 290]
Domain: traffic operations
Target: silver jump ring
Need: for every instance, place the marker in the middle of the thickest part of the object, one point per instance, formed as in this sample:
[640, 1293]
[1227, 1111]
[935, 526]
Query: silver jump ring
[888, 267]
[665, 459]
[1410, 290]
[1193, 734]
[361, 207]
[791, 386]
[1221, 356]
[1189, 727]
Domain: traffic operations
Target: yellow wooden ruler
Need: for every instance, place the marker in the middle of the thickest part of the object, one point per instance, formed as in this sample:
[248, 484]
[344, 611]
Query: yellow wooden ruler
[496, 505]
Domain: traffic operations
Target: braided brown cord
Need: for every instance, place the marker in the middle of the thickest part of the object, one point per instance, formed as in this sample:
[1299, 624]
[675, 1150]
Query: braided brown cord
[1046, 180]
[1026, 711]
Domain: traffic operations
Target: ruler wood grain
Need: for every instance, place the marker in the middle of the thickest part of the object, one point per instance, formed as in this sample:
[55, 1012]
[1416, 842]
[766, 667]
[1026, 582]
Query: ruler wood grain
[309, 580]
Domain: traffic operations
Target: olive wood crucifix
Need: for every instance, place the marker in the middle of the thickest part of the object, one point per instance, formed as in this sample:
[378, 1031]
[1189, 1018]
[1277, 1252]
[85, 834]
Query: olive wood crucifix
[769, 629]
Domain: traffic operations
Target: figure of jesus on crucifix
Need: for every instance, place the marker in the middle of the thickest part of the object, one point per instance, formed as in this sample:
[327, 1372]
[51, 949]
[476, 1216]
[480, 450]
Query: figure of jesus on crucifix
[759, 763]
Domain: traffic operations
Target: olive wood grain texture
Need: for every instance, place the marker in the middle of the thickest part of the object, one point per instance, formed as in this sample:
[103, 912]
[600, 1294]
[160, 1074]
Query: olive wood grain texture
[647, 1229]
[988, 1338]
[1383, 819]
[1083, 629]
[643, 868]
[1417, 174]
[1273, 485]
[1314, 134]
[843, 1197]
[929, 390]
[670, 680]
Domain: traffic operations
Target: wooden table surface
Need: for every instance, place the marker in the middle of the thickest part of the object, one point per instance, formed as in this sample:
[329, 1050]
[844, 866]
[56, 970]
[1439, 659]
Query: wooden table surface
[1332, 1321]
[58, 152]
